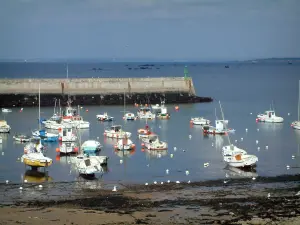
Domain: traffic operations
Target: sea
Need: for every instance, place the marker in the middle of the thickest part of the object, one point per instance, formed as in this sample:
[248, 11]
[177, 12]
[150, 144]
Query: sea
[244, 90]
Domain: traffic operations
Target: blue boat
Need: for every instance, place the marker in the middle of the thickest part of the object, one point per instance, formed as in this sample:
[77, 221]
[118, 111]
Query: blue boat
[90, 147]
[45, 136]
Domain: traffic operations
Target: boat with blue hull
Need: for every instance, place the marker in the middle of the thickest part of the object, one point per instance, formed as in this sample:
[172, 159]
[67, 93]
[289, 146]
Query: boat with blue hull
[45, 136]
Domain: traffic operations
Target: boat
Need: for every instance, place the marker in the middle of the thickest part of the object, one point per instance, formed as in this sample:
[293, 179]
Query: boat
[199, 121]
[237, 157]
[163, 114]
[125, 144]
[90, 146]
[76, 122]
[4, 127]
[152, 142]
[129, 116]
[269, 117]
[55, 119]
[144, 132]
[43, 134]
[21, 138]
[36, 159]
[4, 110]
[67, 148]
[1, 140]
[66, 134]
[104, 117]
[145, 113]
[157, 106]
[90, 165]
[116, 132]
[218, 129]
[296, 124]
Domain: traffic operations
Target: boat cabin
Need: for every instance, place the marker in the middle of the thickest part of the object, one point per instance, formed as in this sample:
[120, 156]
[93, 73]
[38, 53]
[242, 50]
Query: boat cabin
[269, 114]
[70, 111]
[144, 109]
[152, 138]
[116, 128]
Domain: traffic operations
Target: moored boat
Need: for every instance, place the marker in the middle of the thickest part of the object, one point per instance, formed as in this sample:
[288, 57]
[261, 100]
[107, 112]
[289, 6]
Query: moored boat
[125, 144]
[48, 137]
[4, 127]
[152, 142]
[129, 116]
[104, 117]
[68, 148]
[66, 134]
[4, 110]
[116, 132]
[21, 138]
[145, 113]
[90, 146]
[199, 121]
[269, 117]
[163, 114]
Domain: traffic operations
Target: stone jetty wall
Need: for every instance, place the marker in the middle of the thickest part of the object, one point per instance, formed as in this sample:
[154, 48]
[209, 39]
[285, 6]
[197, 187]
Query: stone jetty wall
[79, 86]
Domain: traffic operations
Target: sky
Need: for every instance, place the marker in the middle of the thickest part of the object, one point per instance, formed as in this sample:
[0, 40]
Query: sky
[204, 30]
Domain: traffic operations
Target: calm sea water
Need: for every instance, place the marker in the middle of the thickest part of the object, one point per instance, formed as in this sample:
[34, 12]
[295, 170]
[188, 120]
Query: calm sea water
[242, 89]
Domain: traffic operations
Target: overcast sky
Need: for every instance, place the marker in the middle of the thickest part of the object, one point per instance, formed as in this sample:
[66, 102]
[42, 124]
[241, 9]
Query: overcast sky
[149, 29]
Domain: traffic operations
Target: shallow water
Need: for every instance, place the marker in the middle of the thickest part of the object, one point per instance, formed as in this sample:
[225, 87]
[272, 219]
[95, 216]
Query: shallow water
[243, 88]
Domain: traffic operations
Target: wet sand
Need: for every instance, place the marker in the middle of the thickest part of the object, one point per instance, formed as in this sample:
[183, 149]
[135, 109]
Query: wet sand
[241, 201]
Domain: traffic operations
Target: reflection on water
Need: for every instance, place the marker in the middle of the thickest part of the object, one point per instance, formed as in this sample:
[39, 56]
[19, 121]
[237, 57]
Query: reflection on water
[124, 153]
[234, 172]
[89, 182]
[110, 141]
[150, 154]
[219, 141]
[65, 159]
[35, 176]
[270, 126]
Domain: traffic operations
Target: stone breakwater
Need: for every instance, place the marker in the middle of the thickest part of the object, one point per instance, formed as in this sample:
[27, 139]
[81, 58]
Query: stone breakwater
[98, 91]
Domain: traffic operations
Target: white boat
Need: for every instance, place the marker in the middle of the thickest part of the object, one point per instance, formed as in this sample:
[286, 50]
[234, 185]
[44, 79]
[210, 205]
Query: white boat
[199, 121]
[157, 106]
[145, 113]
[104, 117]
[21, 138]
[296, 124]
[49, 137]
[53, 119]
[4, 127]
[55, 125]
[89, 165]
[116, 132]
[125, 144]
[163, 113]
[90, 146]
[237, 157]
[145, 132]
[6, 110]
[76, 122]
[218, 129]
[129, 116]
[152, 142]
[1, 140]
[66, 134]
[269, 117]
[68, 148]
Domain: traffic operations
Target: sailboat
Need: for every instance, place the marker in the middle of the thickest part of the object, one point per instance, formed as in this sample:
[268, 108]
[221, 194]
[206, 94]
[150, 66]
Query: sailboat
[48, 137]
[128, 115]
[237, 157]
[296, 124]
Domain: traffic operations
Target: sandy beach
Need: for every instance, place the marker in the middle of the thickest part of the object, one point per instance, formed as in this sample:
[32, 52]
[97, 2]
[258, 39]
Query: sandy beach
[242, 201]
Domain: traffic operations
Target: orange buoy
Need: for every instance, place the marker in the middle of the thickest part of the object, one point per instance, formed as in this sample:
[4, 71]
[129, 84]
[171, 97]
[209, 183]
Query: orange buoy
[57, 157]
[86, 110]
[76, 149]
[57, 150]
[176, 107]
[142, 149]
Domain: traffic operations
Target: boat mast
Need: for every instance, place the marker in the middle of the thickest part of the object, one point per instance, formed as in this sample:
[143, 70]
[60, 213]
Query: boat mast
[39, 106]
[124, 102]
[299, 103]
[224, 122]
[54, 106]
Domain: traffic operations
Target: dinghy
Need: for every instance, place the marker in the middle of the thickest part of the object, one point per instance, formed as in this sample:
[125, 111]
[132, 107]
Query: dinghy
[21, 138]
[90, 146]
[104, 117]
[199, 121]
[129, 116]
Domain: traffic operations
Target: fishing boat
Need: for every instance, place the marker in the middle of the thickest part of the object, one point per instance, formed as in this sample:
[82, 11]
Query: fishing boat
[21, 138]
[269, 116]
[76, 122]
[157, 106]
[67, 148]
[152, 142]
[236, 157]
[4, 110]
[55, 119]
[163, 114]
[125, 144]
[4, 127]
[296, 124]
[116, 132]
[90, 146]
[145, 113]
[145, 132]
[199, 121]
[218, 129]
[66, 134]
[129, 116]
[104, 117]
[90, 165]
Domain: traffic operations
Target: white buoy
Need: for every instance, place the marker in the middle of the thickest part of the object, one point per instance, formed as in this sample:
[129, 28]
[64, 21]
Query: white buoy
[190, 136]
[289, 114]
[189, 182]
[242, 139]
[159, 127]
[246, 129]
[40, 186]
[121, 161]
[267, 147]
[161, 182]
[168, 181]
[115, 188]
[258, 148]
[288, 167]
[167, 171]
[235, 141]
[148, 165]
[25, 181]
[97, 137]
[171, 155]
[2, 153]
[187, 172]
[175, 148]
[251, 113]
[206, 164]
[177, 182]
[257, 129]
[253, 178]
[256, 141]
[155, 182]
[159, 155]
[7, 181]
[146, 184]
[293, 157]
[183, 150]
[212, 144]
[21, 188]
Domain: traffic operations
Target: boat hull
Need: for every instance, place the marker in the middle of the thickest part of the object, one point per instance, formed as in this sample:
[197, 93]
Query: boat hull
[296, 125]
[4, 129]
